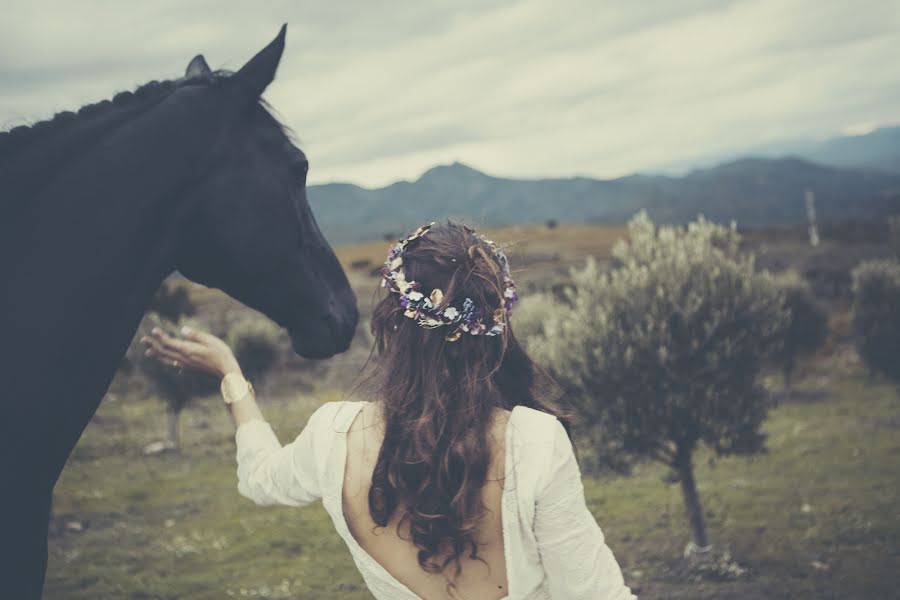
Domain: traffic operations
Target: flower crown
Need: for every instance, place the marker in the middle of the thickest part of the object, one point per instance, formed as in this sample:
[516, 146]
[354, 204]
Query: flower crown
[429, 311]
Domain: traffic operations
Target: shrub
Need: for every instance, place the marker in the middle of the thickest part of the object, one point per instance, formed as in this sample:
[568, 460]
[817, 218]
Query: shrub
[257, 343]
[876, 316]
[662, 353]
[807, 325]
[530, 313]
[171, 302]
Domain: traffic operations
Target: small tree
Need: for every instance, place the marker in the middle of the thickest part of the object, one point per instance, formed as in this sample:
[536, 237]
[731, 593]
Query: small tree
[876, 316]
[662, 353]
[807, 326]
[255, 343]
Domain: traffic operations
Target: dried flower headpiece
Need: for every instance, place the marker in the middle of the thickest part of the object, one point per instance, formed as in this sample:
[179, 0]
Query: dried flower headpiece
[431, 311]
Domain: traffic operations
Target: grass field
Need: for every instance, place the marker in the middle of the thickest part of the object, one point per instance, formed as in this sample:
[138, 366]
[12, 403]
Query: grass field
[817, 517]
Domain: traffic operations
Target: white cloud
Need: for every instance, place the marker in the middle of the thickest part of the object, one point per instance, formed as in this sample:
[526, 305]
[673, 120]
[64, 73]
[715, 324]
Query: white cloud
[856, 129]
[381, 92]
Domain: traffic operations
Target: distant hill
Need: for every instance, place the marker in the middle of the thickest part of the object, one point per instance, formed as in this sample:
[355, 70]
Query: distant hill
[752, 191]
[877, 150]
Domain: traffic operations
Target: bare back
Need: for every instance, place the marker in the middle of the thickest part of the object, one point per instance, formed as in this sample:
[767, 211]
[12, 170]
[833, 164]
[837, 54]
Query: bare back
[397, 555]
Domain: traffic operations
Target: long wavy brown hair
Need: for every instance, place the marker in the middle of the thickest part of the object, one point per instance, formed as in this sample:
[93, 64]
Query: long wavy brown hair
[438, 399]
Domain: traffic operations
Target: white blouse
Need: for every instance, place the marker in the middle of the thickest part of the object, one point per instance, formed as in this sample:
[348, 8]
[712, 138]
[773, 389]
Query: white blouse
[553, 546]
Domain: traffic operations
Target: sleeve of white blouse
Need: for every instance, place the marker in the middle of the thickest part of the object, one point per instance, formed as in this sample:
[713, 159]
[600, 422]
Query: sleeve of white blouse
[269, 473]
[576, 559]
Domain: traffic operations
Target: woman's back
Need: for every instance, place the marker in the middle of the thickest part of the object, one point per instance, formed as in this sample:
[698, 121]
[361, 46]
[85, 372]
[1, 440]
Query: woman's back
[398, 555]
[552, 545]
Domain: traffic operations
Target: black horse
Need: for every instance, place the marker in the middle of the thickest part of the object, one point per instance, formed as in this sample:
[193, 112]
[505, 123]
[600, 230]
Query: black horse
[96, 209]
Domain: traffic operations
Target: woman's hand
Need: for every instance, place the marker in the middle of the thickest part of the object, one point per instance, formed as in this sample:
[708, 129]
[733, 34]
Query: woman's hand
[197, 350]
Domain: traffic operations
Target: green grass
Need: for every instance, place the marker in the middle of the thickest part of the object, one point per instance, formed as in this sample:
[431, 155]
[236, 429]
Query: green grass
[174, 526]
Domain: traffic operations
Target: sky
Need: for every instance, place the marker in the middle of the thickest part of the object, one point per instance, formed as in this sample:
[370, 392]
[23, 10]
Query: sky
[381, 91]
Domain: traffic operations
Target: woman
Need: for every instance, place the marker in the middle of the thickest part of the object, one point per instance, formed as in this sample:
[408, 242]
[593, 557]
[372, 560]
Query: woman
[457, 481]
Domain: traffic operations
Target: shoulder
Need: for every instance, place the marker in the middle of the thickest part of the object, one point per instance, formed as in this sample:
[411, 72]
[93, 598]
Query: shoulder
[335, 417]
[534, 426]
[327, 425]
[538, 440]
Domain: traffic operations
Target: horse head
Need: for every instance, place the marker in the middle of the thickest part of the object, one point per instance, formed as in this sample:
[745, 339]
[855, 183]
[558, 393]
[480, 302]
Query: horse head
[251, 232]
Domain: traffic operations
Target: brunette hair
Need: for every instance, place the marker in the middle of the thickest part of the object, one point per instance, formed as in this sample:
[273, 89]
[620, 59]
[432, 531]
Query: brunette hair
[439, 398]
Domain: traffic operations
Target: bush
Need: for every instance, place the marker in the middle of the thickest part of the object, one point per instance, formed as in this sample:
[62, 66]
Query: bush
[662, 353]
[361, 264]
[876, 316]
[257, 343]
[171, 302]
[828, 270]
[530, 313]
[807, 326]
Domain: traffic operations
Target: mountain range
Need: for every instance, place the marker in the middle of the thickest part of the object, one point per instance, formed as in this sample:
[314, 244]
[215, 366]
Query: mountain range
[852, 177]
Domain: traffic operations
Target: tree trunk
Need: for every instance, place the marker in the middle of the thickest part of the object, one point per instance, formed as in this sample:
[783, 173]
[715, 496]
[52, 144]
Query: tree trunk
[685, 468]
[173, 415]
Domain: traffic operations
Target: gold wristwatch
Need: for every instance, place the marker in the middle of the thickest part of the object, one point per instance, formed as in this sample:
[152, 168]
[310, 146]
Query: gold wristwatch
[235, 388]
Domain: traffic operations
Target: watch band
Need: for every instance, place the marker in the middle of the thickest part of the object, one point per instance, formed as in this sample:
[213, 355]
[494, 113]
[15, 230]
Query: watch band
[235, 388]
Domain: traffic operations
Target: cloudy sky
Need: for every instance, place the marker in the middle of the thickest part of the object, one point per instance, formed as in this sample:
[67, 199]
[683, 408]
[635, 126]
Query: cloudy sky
[380, 91]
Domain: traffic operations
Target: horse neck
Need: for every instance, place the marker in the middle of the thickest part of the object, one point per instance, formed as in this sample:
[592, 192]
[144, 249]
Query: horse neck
[86, 255]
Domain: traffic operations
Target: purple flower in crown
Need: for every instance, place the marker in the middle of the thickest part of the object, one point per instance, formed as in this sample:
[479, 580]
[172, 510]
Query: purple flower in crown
[510, 300]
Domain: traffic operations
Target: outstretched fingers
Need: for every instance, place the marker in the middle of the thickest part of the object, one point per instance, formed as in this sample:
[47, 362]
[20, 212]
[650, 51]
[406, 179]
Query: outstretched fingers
[187, 348]
[197, 350]
[158, 350]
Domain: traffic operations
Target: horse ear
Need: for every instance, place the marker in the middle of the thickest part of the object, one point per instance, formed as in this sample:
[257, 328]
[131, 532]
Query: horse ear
[197, 67]
[259, 71]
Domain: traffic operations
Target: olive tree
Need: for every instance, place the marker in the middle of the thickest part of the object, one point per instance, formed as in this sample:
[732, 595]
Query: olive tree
[662, 352]
[807, 325]
[876, 316]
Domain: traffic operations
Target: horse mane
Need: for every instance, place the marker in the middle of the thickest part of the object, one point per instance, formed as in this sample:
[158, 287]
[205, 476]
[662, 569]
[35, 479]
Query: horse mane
[22, 136]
